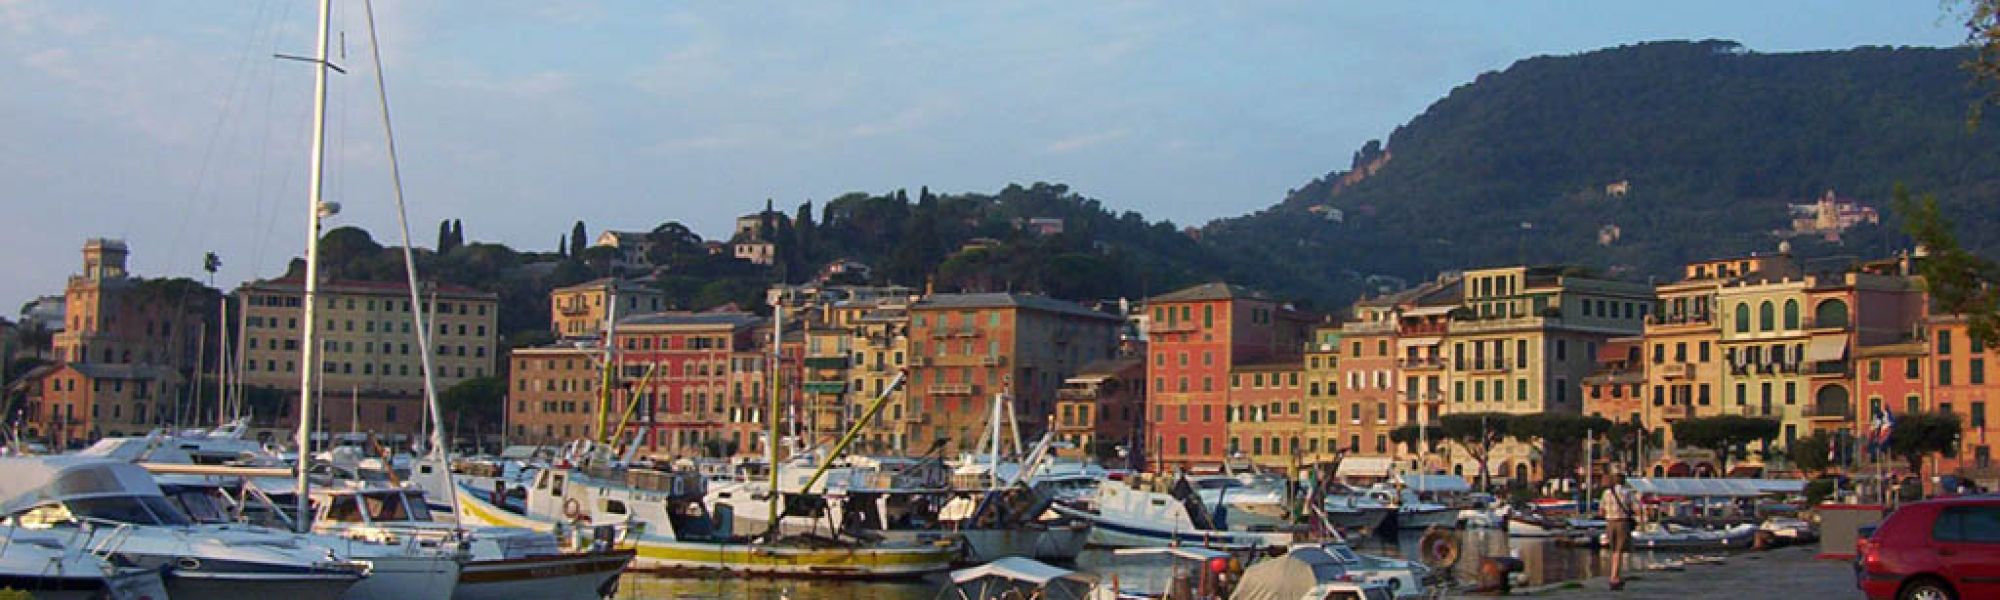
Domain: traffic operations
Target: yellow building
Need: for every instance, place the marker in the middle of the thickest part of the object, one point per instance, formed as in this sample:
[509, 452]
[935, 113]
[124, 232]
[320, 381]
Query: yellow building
[368, 353]
[578, 311]
[878, 337]
[1522, 341]
[1683, 354]
[1322, 395]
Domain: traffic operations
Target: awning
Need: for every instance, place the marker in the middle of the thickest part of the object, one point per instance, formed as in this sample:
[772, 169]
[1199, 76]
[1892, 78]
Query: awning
[1827, 348]
[1445, 484]
[1422, 311]
[1019, 569]
[1716, 488]
[1364, 466]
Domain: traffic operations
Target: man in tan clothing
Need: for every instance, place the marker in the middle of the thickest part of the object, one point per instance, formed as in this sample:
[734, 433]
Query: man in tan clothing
[1621, 512]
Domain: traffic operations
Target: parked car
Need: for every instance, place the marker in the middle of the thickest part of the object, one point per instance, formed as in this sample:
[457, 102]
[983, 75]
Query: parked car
[1942, 549]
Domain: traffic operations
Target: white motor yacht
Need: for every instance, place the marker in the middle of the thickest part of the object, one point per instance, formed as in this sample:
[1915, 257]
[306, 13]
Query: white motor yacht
[116, 510]
[56, 567]
[1123, 517]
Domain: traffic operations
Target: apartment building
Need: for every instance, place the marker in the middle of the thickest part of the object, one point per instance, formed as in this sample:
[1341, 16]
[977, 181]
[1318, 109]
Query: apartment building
[1100, 411]
[1265, 415]
[681, 370]
[554, 394]
[121, 356]
[968, 349]
[579, 311]
[1194, 336]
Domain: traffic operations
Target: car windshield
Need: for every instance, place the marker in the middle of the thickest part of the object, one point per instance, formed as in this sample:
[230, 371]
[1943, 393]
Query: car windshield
[137, 510]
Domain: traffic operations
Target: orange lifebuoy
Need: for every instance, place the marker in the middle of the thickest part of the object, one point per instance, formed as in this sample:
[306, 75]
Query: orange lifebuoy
[574, 510]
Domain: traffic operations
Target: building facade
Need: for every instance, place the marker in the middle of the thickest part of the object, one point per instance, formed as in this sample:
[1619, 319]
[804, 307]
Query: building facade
[580, 311]
[554, 394]
[677, 372]
[1100, 411]
[123, 355]
[1194, 336]
[967, 349]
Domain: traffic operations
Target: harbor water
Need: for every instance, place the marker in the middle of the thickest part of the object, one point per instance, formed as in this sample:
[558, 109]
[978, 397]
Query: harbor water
[1544, 562]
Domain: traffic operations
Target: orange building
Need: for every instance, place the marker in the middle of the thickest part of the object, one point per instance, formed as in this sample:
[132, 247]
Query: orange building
[1964, 386]
[1194, 336]
[553, 394]
[1100, 410]
[965, 349]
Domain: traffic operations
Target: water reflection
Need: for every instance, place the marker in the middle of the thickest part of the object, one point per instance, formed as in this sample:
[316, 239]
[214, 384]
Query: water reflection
[1544, 562]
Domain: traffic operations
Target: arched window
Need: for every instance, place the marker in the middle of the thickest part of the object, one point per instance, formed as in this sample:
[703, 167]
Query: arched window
[1831, 313]
[1767, 316]
[1831, 401]
[1791, 314]
[1742, 318]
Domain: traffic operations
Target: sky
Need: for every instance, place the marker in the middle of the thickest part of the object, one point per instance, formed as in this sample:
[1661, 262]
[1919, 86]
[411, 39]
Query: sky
[172, 125]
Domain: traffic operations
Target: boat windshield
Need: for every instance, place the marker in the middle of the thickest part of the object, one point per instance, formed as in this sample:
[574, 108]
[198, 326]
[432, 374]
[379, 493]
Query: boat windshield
[390, 508]
[137, 510]
[1218, 484]
[202, 506]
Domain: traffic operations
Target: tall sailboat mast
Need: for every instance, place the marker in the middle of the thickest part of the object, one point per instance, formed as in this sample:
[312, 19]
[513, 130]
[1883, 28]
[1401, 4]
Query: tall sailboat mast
[309, 350]
[771, 444]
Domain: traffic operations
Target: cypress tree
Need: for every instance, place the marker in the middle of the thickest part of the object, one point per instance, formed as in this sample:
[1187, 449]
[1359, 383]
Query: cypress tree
[576, 243]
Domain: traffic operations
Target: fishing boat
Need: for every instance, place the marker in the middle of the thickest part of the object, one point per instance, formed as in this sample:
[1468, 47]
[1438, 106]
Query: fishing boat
[661, 515]
[55, 568]
[1410, 511]
[1403, 578]
[1124, 517]
[1252, 498]
[1539, 525]
[116, 510]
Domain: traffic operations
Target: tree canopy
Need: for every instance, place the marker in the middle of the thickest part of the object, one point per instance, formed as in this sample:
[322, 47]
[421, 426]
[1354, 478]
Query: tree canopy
[1918, 435]
[1727, 436]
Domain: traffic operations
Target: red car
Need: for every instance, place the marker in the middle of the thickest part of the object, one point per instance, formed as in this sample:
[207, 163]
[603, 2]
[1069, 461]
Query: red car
[1934, 550]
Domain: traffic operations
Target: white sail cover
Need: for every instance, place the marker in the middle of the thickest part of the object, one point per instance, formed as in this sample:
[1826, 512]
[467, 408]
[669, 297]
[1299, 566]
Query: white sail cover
[1288, 577]
[1716, 488]
[27, 482]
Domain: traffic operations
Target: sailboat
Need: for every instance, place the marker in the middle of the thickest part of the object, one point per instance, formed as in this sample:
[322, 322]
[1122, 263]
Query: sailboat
[663, 515]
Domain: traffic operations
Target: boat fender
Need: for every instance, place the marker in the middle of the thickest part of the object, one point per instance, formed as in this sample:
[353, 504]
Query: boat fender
[1438, 548]
[574, 510]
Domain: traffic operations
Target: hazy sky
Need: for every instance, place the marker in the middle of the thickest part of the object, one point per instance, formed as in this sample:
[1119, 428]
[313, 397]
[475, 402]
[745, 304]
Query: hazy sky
[171, 125]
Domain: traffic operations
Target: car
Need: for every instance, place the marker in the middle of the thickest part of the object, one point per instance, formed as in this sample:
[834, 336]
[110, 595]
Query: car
[1943, 549]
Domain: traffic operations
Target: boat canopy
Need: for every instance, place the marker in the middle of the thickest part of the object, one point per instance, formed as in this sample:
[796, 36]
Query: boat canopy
[28, 482]
[1716, 488]
[519, 452]
[1364, 466]
[1023, 576]
[1442, 484]
[1289, 577]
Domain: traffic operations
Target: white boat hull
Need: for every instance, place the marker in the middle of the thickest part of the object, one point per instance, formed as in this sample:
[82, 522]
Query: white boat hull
[1361, 518]
[1108, 532]
[1426, 519]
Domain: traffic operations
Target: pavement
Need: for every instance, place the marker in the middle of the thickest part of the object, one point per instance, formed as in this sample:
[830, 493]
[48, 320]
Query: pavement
[1783, 573]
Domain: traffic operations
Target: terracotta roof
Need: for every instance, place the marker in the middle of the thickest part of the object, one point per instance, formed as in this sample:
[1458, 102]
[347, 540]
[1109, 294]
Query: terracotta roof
[1003, 300]
[1210, 291]
[350, 286]
[603, 282]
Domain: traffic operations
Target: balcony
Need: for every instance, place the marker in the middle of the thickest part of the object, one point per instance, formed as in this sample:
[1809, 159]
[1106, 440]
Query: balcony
[1420, 363]
[953, 389]
[1834, 412]
[826, 362]
[825, 387]
[1834, 368]
[572, 309]
[1173, 327]
[1487, 366]
[1430, 397]
[955, 332]
[1076, 395]
[1673, 412]
[879, 341]
[1677, 370]
[1361, 327]
[962, 360]
[1666, 320]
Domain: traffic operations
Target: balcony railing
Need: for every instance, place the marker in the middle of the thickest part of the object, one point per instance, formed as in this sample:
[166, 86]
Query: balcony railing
[962, 360]
[1173, 327]
[572, 309]
[1430, 397]
[1076, 395]
[1674, 412]
[1677, 370]
[1420, 362]
[953, 389]
[1839, 368]
[826, 362]
[1843, 412]
[1680, 319]
[950, 332]
[1369, 327]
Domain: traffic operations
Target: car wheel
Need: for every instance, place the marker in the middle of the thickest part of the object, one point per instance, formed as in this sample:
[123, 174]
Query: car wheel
[1926, 589]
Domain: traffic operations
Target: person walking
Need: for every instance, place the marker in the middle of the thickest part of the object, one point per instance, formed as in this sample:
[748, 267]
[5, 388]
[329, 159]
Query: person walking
[1620, 505]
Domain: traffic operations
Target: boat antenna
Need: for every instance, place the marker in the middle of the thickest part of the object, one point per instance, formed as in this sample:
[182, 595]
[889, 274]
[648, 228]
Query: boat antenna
[310, 349]
[438, 451]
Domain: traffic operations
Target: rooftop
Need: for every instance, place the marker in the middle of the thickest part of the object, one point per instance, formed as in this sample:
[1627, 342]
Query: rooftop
[1210, 291]
[352, 286]
[1005, 300]
[683, 319]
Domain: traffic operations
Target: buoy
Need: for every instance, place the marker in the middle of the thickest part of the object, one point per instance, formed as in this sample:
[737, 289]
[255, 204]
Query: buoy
[1438, 549]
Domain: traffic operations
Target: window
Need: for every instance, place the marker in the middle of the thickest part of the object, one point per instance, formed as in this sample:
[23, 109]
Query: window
[1743, 318]
[1791, 392]
[1704, 351]
[1791, 314]
[1978, 524]
[1975, 371]
[1944, 341]
[1944, 372]
[1208, 316]
[1875, 370]
[1704, 394]
[1910, 368]
[1978, 415]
